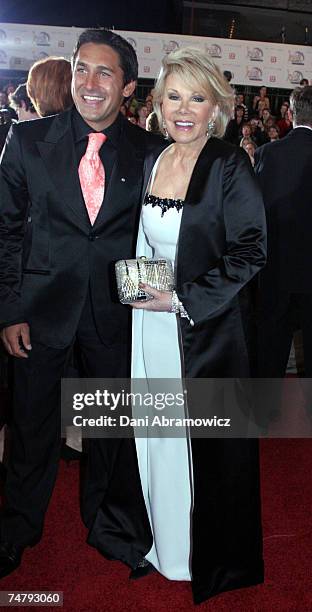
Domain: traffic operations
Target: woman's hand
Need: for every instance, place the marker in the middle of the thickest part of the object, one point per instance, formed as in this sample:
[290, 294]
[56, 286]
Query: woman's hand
[160, 300]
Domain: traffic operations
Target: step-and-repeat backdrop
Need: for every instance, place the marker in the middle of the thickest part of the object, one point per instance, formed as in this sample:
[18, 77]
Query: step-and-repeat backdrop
[250, 62]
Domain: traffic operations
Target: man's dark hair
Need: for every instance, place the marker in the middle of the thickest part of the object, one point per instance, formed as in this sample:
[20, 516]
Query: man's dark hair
[20, 95]
[127, 56]
[301, 105]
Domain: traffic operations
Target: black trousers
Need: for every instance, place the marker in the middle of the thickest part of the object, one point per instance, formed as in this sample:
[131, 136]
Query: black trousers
[280, 314]
[36, 430]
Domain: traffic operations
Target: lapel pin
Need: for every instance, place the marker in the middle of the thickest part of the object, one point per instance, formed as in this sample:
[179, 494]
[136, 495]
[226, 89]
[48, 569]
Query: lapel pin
[123, 180]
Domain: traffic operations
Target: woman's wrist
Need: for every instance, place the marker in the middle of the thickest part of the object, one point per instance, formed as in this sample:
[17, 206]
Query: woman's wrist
[177, 306]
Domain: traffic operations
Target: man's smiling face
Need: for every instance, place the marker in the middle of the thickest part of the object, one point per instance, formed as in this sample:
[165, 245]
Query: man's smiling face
[98, 85]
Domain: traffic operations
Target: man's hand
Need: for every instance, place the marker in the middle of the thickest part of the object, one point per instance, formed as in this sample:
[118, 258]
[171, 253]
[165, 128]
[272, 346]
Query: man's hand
[16, 339]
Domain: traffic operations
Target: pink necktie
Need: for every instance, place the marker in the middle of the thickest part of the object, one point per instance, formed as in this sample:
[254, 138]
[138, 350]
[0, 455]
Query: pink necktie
[92, 175]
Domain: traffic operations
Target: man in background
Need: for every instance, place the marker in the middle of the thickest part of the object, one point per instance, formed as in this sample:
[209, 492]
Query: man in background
[22, 104]
[284, 169]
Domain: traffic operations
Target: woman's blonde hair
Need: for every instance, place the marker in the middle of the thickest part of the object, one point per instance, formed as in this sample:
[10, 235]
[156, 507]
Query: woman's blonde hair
[196, 68]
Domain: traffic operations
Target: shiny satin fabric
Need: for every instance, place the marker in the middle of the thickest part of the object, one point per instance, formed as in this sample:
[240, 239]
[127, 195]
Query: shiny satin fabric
[224, 217]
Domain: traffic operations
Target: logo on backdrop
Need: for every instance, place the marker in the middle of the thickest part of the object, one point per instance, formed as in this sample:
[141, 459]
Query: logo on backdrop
[296, 57]
[3, 36]
[42, 39]
[171, 45]
[295, 77]
[213, 50]
[254, 73]
[255, 54]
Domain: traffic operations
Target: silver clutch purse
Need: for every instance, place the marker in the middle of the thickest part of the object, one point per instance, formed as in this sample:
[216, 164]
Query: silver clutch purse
[157, 273]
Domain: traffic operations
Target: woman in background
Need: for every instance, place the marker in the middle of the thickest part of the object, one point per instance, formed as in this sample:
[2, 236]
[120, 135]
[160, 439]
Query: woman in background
[141, 116]
[49, 85]
[261, 100]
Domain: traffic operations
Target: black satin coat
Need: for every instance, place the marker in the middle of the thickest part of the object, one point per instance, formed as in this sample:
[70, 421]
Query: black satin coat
[222, 245]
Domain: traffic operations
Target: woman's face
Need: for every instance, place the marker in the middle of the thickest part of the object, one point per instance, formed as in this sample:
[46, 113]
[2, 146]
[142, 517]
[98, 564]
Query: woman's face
[186, 111]
[269, 122]
[142, 112]
[263, 92]
[246, 130]
[249, 147]
[284, 109]
[273, 133]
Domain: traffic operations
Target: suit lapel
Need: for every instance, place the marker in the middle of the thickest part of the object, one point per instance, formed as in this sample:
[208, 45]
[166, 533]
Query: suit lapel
[59, 156]
[148, 168]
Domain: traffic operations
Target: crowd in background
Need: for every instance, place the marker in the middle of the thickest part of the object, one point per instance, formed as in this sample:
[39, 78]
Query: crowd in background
[254, 122]
[256, 125]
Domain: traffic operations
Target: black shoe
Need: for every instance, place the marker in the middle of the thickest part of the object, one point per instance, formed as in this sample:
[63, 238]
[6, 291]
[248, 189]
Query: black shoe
[10, 558]
[143, 569]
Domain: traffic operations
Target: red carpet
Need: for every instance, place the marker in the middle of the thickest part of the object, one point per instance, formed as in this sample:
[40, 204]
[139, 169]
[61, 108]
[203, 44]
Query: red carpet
[62, 561]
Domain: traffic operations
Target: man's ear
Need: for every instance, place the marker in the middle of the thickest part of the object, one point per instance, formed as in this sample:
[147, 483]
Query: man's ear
[129, 89]
[290, 115]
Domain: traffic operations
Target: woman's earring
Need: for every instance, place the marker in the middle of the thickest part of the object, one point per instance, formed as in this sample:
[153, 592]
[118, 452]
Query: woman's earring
[210, 127]
[164, 127]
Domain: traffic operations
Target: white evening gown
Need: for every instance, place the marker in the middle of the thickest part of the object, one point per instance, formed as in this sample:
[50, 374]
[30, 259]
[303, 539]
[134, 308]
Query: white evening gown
[165, 464]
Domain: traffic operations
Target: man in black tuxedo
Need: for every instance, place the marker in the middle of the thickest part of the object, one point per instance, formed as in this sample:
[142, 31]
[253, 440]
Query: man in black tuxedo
[56, 271]
[284, 169]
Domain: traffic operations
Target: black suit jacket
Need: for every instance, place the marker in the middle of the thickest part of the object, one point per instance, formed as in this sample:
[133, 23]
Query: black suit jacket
[49, 252]
[284, 169]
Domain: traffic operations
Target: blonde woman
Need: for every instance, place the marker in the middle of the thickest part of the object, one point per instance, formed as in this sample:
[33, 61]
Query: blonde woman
[203, 211]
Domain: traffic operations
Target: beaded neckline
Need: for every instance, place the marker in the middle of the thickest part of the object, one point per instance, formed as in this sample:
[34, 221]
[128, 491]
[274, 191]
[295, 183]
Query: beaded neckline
[164, 203]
